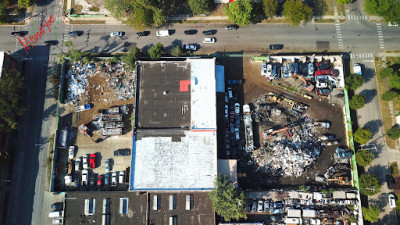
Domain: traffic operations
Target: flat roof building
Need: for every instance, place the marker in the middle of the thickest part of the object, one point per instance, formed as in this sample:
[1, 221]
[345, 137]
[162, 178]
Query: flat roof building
[175, 143]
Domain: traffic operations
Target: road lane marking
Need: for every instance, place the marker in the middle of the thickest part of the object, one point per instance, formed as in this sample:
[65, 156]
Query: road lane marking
[361, 55]
[339, 35]
[381, 42]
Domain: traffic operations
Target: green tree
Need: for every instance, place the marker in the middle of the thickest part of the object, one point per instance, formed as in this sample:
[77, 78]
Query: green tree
[86, 59]
[270, 7]
[159, 17]
[387, 72]
[395, 81]
[354, 81]
[344, 1]
[296, 11]
[141, 18]
[177, 51]
[394, 132]
[240, 12]
[369, 184]
[200, 6]
[357, 102]
[131, 58]
[362, 135]
[371, 214]
[389, 95]
[12, 86]
[156, 51]
[228, 201]
[24, 3]
[364, 158]
[117, 8]
[3, 12]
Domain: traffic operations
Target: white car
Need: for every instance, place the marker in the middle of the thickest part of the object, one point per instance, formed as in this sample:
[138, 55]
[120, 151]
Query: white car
[85, 177]
[392, 201]
[263, 69]
[117, 34]
[114, 179]
[162, 33]
[357, 69]
[310, 69]
[269, 71]
[57, 221]
[260, 206]
[71, 152]
[78, 164]
[209, 40]
[121, 177]
[237, 108]
[107, 166]
[85, 164]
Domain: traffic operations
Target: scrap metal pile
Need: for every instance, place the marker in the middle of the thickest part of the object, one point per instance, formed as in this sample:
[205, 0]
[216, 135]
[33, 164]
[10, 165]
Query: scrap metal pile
[121, 83]
[292, 141]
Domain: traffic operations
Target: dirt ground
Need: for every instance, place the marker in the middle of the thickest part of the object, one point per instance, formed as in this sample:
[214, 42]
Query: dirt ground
[255, 86]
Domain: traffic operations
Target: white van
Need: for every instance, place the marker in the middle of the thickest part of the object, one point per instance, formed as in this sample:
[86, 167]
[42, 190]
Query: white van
[56, 214]
[209, 40]
[162, 33]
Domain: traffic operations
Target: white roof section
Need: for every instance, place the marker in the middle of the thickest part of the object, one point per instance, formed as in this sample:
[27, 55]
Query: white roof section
[162, 164]
[1, 62]
[308, 213]
[351, 195]
[203, 94]
[339, 195]
[292, 221]
[294, 213]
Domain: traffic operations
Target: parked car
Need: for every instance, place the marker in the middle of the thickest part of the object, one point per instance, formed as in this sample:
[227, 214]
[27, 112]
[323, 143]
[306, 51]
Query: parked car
[114, 179]
[190, 32]
[310, 69]
[276, 218]
[260, 206]
[269, 71]
[142, 34]
[237, 108]
[275, 47]
[85, 174]
[357, 69]
[208, 32]
[324, 92]
[78, 164]
[237, 135]
[389, 181]
[266, 206]
[92, 161]
[278, 204]
[58, 206]
[121, 177]
[226, 113]
[117, 34]
[254, 206]
[107, 166]
[276, 211]
[83, 107]
[71, 152]
[263, 69]
[209, 40]
[92, 180]
[190, 47]
[162, 33]
[392, 201]
[51, 42]
[106, 179]
[85, 162]
[232, 27]
[122, 152]
[99, 180]
[16, 34]
[57, 221]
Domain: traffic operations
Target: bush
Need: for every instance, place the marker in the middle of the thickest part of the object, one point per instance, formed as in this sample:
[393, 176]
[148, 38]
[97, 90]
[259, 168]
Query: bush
[362, 135]
[364, 158]
[387, 72]
[344, 1]
[177, 51]
[354, 81]
[371, 214]
[357, 102]
[394, 132]
[156, 51]
[389, 95]
[369, 184]
[94, 9]
[395, 81]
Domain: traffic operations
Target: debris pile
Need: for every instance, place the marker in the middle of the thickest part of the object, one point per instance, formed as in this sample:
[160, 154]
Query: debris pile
[78, 81]
[122, 84]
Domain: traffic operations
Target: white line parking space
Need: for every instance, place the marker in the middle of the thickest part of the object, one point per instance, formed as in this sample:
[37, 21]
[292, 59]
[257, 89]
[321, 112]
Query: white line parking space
[380, 36]
[339, 35]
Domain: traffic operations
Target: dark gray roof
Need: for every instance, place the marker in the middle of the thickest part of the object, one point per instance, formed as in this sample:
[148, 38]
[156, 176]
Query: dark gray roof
[161, 104]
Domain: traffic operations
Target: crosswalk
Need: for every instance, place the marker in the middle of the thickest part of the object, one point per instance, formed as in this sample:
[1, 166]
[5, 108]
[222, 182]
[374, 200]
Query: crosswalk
[39, 18]
[361, 55]
[339, 35]
[356, 17]
[380, 36]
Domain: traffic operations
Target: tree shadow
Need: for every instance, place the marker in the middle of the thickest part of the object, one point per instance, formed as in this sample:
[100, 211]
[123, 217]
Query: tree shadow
[379, 172]
[176, 42]
[368, 73]
[369, 95]
[52, 111]
[373, 126]
[380, 202]
[320, 7]
[390, 218]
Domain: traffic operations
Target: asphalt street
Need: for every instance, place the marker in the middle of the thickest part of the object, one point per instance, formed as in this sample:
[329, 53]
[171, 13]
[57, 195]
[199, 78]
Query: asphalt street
[360, 38]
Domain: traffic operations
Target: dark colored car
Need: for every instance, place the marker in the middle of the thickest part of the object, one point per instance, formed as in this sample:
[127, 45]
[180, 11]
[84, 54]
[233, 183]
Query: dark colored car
[16, 34]
[51, 42]
[389, 181]
[232, 27]
[92, 161]
[58, 206]
[92, 180]
[190, 32]
[275, 47]
[74, 34]
[208, 32]
[122, 152]
[142, 34]
[324, 92]
[99, 180]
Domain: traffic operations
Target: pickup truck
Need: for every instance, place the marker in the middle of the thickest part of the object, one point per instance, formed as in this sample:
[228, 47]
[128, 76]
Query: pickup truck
[83, 107]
